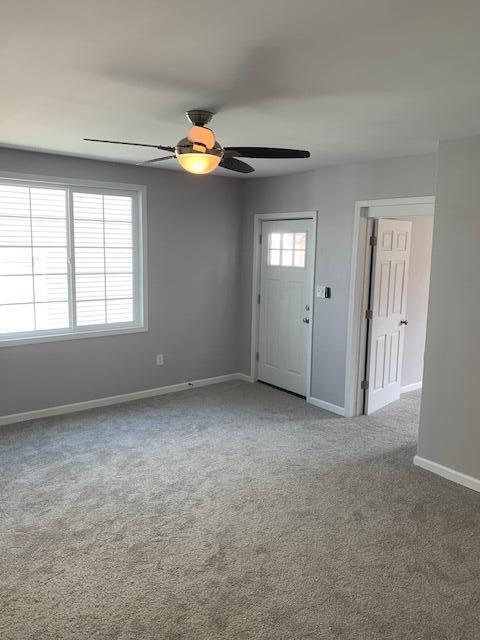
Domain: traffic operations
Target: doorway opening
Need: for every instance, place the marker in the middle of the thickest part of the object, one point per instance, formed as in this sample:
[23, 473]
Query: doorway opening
[391, 300]
[282, 300]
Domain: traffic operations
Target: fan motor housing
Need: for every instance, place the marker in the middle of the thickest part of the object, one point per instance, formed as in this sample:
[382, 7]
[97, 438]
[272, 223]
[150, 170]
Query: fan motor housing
[199, 117]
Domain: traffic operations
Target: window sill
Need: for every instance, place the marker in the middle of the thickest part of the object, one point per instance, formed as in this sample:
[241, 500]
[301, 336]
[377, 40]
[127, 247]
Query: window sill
[102, 333]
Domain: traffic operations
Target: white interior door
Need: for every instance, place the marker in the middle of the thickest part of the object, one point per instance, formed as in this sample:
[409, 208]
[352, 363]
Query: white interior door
[388, 304]
[286, 282]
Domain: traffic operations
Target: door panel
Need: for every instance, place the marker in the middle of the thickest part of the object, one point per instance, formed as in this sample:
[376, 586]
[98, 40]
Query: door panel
[272, 301]
[383, 289]
[295, 348]
[390, 263]
[398, 287]
[286, 280]
[394, 357]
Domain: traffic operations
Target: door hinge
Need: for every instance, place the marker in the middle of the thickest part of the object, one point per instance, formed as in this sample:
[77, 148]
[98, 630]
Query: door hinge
[258, 299]
[257, 356]
[364, 384]
[373, 241]
[369, 314]
[260, 239]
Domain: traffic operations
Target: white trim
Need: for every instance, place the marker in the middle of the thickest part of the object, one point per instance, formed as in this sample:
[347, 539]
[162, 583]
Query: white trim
[138, 194]
[411, 387]
[390, 202]
[402, 210]
[333, 408]
[75, 182]
[258, 219]
[400, 207]
[390, 207]
[110, 400]
[289, 215]
[55, 337]
[448, 473]
[245, 377]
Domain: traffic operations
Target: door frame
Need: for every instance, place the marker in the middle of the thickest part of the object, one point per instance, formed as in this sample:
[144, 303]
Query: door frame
[366, 211]
[255, 330]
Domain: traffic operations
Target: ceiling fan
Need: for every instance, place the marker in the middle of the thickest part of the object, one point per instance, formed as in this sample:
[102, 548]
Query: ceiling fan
[200, 152]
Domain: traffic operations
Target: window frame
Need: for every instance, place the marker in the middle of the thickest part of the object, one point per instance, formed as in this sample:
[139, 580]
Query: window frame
[138, 193]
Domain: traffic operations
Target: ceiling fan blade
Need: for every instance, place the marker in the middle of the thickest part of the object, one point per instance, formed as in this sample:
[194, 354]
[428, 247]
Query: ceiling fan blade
[236, 165]
[140, 164]
[132, 144]
[266, 152]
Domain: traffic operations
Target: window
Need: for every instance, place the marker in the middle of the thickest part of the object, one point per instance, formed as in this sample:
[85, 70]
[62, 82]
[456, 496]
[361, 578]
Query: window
[286, 249]
[70, 260]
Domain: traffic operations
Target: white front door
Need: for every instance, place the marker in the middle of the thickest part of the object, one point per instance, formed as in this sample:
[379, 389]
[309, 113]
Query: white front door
[286, 282]
[388, 304]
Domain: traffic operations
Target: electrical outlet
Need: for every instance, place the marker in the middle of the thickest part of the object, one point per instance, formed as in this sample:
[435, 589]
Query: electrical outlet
[159, 359]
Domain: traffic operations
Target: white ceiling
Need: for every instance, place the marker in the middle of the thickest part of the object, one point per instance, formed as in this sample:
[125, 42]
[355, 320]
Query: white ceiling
[346, 79]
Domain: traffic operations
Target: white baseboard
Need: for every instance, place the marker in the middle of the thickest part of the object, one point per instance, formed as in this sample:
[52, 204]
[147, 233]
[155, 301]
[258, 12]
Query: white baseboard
[110, 400]
[244, 377]
[333, 408]
[411, 387]
[446, 472]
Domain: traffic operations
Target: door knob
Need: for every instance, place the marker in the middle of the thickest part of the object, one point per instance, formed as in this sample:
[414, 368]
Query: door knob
[306, 320]
[405, 322]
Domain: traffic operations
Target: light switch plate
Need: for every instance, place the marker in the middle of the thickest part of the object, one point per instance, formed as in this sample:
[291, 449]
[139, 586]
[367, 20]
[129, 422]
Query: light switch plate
[324, 292]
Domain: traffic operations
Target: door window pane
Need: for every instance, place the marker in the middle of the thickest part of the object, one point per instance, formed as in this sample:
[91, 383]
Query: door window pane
[300, 240]
[287, 240]
[287, 249]
[287, 257]
[274, 257]
[274, 240]
[299, 259]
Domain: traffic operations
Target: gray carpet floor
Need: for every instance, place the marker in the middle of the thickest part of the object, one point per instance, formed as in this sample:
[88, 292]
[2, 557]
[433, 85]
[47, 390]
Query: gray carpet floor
[232, 512]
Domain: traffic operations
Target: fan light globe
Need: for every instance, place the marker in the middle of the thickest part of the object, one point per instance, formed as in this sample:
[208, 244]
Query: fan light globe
[196, 161]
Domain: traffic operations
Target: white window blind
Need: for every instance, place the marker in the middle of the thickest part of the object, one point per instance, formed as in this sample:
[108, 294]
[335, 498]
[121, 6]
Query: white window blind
[103, 258]
[69, 260]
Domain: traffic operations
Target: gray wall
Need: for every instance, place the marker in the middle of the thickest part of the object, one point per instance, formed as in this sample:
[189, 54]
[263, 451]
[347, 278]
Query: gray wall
[193, 278]
[333, 192]
[417, 299]
[449, 422]
[199, 282]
